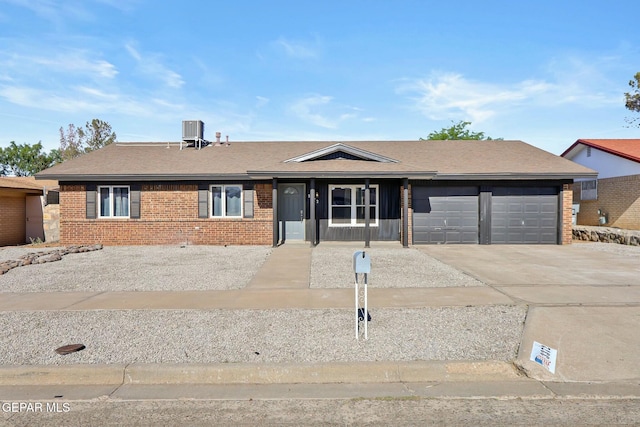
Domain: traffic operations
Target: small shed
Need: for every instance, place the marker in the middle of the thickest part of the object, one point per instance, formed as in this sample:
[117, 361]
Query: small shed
[29, 210]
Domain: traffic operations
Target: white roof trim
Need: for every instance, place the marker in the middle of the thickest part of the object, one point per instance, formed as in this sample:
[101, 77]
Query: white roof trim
[348, 149]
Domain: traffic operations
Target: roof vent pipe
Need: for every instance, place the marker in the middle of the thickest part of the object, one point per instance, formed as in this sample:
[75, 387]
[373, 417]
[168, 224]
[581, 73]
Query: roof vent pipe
[228, 140]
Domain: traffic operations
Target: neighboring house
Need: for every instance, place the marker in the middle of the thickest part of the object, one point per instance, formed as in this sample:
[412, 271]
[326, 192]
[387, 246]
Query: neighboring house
[613, 199]
[267, 193]
[28, 210]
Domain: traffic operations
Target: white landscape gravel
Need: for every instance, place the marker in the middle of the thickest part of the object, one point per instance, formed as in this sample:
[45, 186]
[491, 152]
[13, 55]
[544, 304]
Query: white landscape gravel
[613, 248]
[391, 267]
[231, 336]
[138, 268]
[234, 336]
[219, 336]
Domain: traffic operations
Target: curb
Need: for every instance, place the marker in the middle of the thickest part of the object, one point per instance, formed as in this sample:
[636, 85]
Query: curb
[220, 374]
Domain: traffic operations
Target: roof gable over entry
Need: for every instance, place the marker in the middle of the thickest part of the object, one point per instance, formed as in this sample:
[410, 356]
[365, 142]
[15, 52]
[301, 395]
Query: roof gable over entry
[341, 152]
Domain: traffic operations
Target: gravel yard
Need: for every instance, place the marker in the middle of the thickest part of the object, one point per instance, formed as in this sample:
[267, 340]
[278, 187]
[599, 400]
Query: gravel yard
[490, 332]
[138, 268]
[220, 336]
[613, 248]
[391, 267]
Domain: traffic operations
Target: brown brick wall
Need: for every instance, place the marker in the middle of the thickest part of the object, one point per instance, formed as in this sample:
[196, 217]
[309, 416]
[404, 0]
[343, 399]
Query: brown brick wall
[168, 215]
[618, 197]
[13, 213]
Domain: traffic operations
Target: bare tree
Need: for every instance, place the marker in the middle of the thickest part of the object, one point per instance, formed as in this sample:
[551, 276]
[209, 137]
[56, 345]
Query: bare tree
[77, 141]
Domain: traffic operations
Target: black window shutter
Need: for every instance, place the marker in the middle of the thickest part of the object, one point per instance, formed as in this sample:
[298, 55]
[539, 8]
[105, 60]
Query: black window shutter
[91, 201]
[203, 201]
[135, 201]
[248, 200]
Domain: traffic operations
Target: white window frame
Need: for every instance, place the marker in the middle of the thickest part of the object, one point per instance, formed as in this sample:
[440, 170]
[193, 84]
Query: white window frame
[223, 188]
[354, 206]
[590, 193]
[112, 214]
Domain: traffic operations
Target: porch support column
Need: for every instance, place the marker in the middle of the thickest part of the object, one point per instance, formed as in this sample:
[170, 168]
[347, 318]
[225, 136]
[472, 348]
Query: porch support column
[367, 214]
[312, 210]
[274, 207]
[405, 213]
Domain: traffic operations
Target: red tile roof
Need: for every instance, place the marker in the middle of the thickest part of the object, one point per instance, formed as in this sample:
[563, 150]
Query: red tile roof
[626, 148]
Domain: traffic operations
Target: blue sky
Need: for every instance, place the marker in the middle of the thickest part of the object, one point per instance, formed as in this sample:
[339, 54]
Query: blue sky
[545, 72]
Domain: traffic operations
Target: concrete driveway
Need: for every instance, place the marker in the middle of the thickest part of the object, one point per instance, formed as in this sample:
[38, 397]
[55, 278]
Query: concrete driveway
[541, 264]
[584, 302]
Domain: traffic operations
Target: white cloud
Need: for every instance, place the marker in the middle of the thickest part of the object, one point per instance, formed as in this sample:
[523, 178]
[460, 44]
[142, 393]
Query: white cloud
[296, 49]
[320, 111]
[47, 9]
[451, 96]
[78, 62]
[123, 5]
[577, 80]
[59, 12]
[133, 52]
[74, 100]
[261, 101]
[305, 109]
[96, 93]
[151, 65]
[569, 81]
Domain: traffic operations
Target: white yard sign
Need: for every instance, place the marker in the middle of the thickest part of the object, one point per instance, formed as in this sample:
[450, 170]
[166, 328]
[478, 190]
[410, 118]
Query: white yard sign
[545, 356]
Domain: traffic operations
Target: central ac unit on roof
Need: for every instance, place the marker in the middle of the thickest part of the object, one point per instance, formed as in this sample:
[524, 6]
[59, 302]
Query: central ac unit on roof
[192, 130]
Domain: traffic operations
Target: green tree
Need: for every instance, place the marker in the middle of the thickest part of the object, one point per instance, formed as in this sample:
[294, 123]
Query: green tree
[632, 99]
[457, 131]
[25, 159]
[77, 141]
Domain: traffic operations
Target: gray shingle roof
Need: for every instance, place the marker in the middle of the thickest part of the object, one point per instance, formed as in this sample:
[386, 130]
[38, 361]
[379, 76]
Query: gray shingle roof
[415, 159]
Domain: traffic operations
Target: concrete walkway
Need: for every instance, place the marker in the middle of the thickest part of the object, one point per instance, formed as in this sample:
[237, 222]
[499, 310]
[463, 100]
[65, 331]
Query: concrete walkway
[589, 311]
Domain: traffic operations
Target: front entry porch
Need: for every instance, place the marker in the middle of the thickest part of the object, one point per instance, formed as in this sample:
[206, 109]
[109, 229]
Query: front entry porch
[344, 209]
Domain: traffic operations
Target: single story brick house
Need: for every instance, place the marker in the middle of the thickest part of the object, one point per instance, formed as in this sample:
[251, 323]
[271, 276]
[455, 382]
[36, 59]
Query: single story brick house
[269, 193]
[613, 199]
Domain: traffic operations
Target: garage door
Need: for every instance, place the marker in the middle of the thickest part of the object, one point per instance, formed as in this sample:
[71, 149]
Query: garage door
[445, 214]
[524, 215]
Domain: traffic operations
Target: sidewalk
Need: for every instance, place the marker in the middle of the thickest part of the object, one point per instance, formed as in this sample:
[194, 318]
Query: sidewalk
[312, 381]
[571, 317]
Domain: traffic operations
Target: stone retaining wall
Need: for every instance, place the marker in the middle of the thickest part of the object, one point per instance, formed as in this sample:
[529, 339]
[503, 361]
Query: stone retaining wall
[606, 235]
[46, 256]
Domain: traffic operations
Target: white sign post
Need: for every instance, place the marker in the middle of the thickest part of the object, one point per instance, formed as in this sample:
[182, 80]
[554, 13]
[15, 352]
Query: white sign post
[545, 356]
[361, 265]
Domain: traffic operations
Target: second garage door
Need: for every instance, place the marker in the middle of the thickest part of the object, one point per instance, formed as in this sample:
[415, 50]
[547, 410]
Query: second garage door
[524, 215]
[445, 214]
